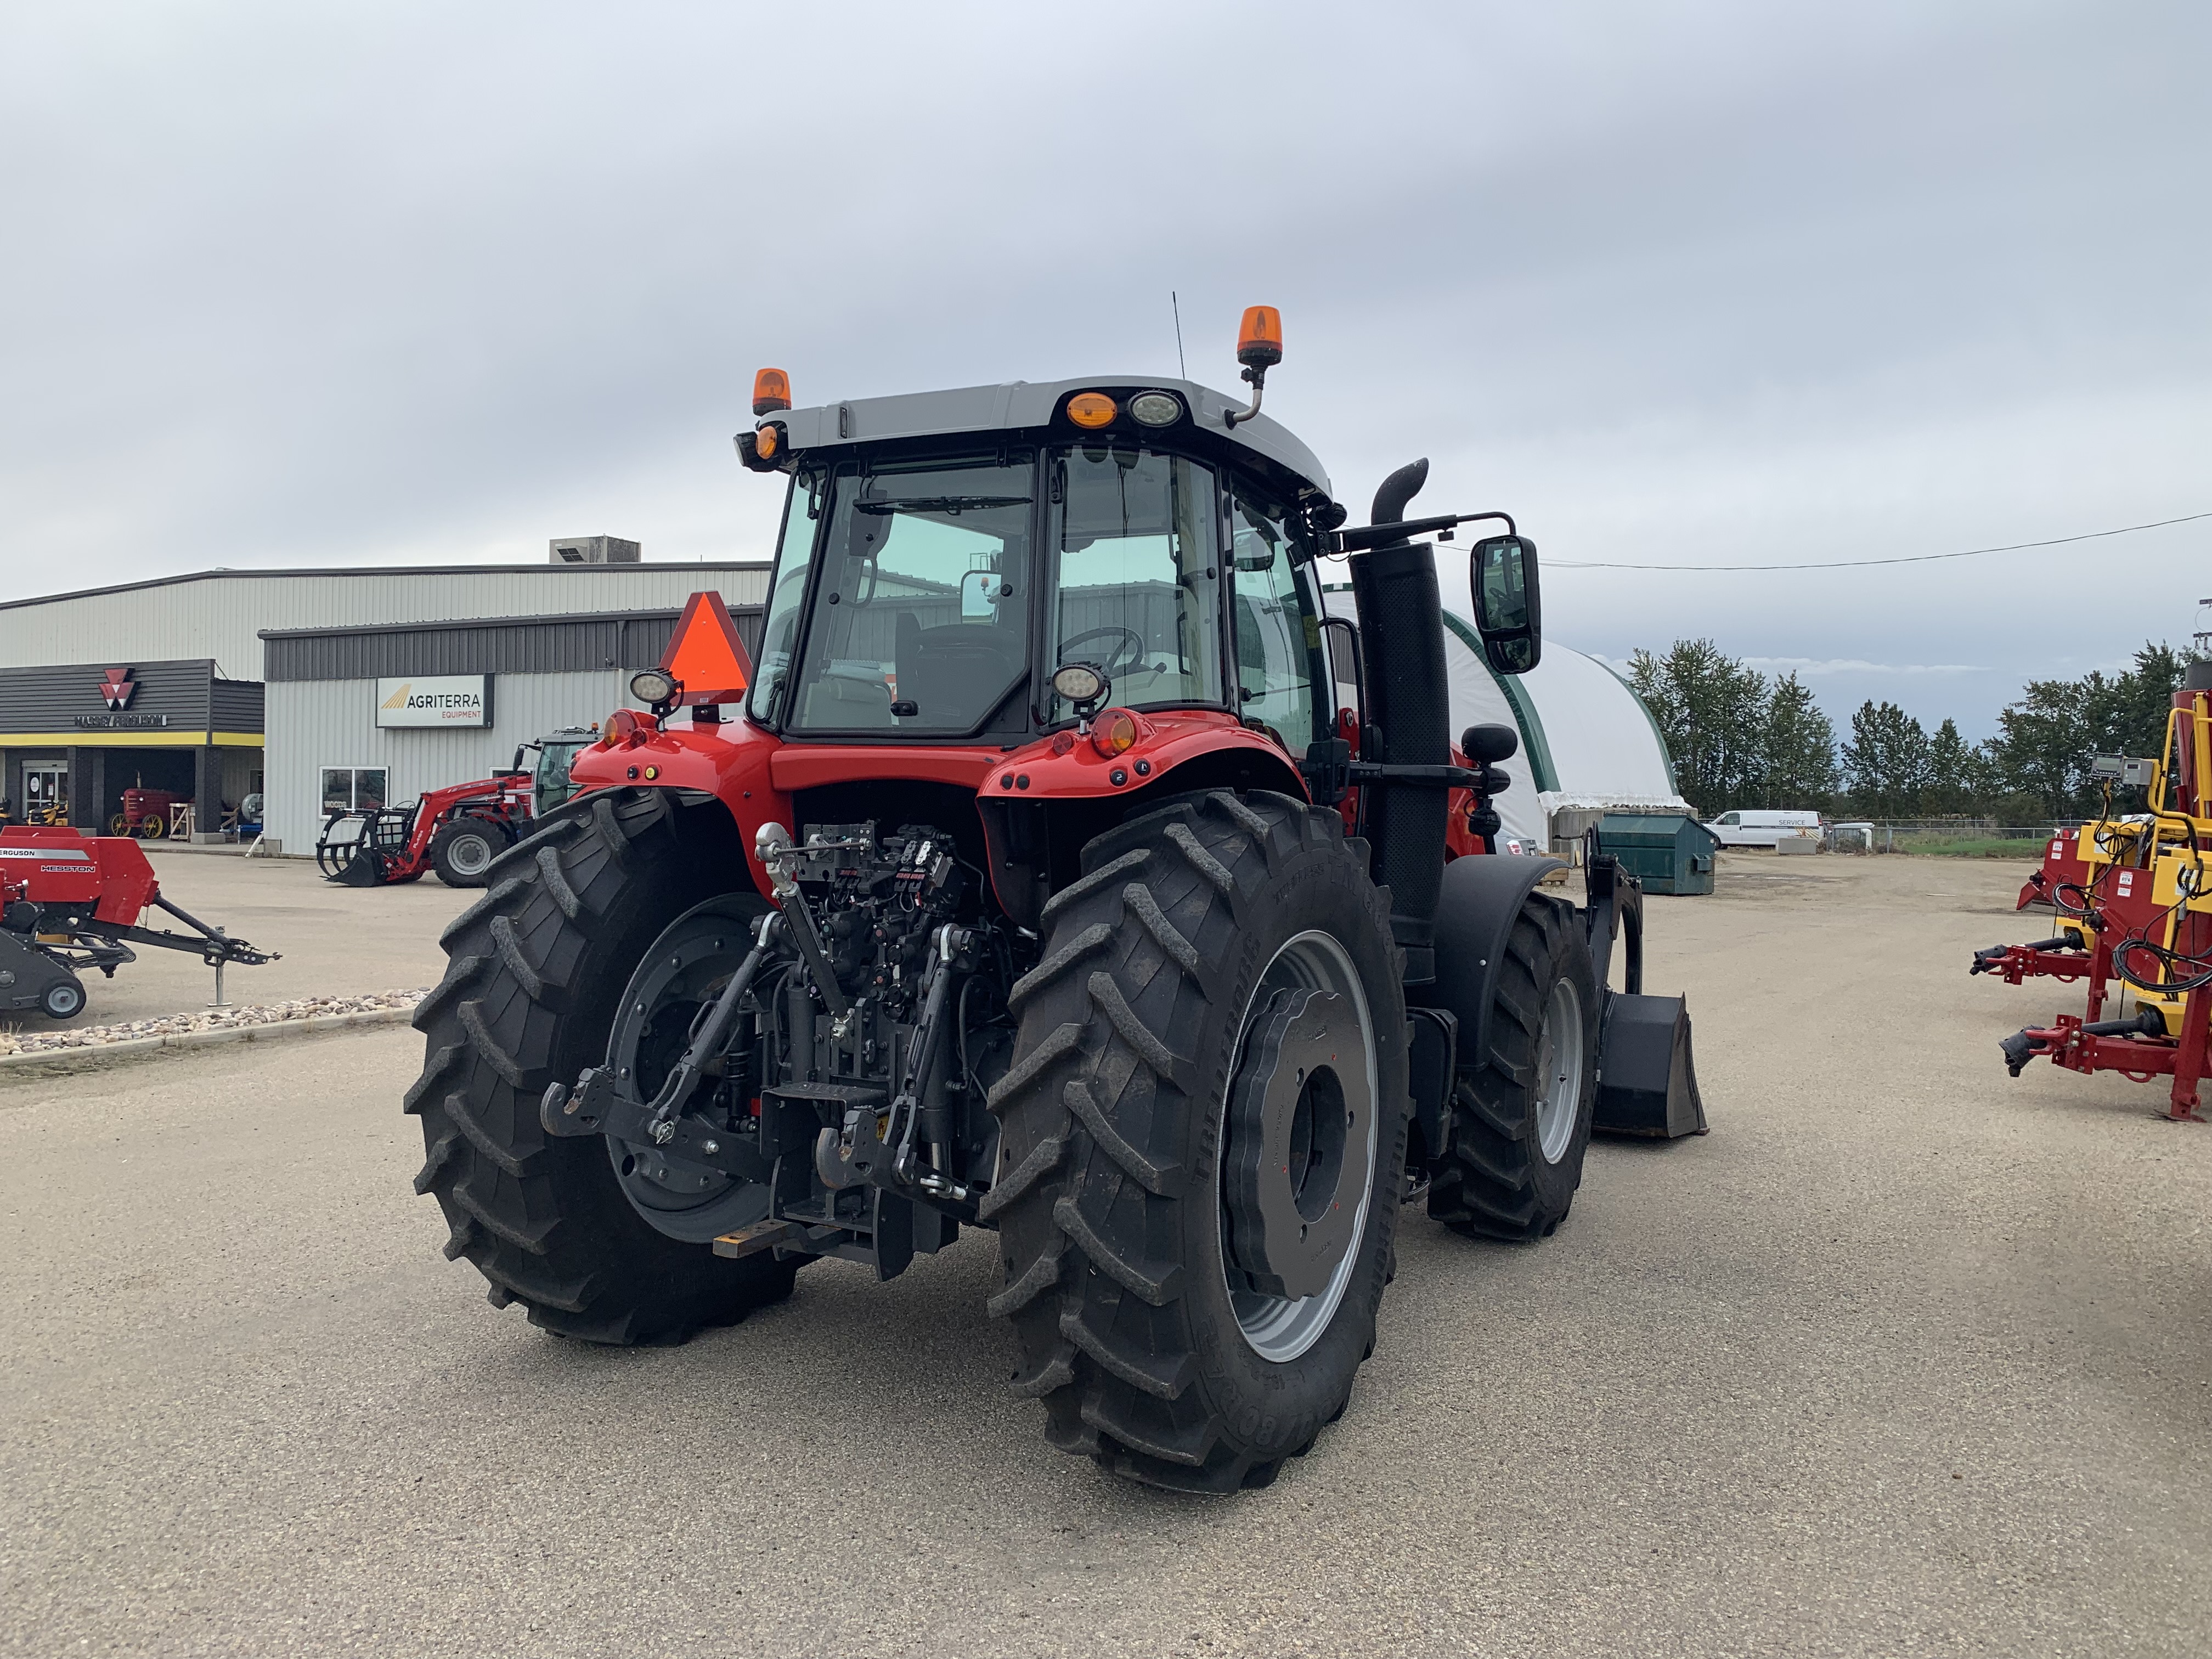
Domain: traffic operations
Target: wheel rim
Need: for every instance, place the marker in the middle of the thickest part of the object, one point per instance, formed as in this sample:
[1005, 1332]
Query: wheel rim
[1559, 1071]
[64, 1001]
[1280, 1328]
[688, 966]
[470, 854]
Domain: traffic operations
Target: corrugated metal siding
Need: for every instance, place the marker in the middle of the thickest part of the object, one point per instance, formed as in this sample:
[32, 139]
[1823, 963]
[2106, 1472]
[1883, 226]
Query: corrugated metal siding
[545, 645]
[49, 699]
[312, 724]
[237, 705]
[219, 614]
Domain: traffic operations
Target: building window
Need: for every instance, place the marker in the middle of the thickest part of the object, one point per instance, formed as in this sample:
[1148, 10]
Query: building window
[353, 789]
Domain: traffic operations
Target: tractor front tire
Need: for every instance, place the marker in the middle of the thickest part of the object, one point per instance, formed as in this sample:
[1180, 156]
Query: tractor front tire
[1125, 1189]
[535, 968]
[463, 849]
[1521, 1112]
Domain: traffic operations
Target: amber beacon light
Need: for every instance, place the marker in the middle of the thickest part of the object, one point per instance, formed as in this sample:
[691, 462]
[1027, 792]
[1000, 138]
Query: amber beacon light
[771, 390]
[1258, 348]
[1260, 340]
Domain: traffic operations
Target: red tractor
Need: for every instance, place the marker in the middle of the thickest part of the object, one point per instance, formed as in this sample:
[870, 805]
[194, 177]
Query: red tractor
[456, 831]
[70, 902]
[145, 813]
[1013, 891]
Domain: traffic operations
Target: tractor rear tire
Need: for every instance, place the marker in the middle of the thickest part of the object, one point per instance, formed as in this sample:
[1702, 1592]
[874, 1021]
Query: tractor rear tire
[1521, 1113]
[1114, 1207]
[536, 967]
[463, 849]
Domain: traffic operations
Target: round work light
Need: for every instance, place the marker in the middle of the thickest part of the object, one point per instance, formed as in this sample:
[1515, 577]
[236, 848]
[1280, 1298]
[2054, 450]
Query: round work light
[1156, 408]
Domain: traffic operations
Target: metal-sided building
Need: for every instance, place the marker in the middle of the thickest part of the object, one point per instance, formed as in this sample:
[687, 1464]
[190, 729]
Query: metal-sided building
[175, 697]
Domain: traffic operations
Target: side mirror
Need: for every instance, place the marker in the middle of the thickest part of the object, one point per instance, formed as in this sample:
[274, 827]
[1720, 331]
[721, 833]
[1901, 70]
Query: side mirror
[1508, 609]
[979, 594]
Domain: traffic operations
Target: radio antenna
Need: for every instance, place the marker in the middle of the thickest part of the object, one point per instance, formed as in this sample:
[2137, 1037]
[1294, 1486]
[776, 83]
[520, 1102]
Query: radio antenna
[1181, 368]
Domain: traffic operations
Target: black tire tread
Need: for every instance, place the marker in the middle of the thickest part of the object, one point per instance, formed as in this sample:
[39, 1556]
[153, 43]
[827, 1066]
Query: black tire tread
[1486, 1187]
[543, 1220]
[1080, 1193]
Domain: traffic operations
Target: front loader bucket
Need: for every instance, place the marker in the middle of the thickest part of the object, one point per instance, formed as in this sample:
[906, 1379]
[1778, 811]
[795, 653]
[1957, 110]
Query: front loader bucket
[364, 869]
[1647, 1081]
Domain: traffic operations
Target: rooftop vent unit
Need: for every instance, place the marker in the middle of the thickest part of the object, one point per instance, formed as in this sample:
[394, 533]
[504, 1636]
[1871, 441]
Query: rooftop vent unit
[593, 550]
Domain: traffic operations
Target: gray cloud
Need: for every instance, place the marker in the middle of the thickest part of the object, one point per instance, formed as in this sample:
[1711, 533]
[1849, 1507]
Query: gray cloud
[1712, 283]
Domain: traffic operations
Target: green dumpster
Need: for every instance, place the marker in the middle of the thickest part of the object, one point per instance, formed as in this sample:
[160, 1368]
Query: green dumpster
[1667, 852]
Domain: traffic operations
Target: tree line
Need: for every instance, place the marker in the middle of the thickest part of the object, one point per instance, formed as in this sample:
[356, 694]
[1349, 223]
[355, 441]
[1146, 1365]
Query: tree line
[1742, 738]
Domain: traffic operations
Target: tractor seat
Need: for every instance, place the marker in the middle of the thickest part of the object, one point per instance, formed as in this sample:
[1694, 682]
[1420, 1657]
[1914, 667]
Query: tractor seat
[953, 674]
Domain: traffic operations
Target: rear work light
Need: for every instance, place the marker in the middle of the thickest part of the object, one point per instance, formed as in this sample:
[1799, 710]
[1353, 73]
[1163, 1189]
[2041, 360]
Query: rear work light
[1156, 408]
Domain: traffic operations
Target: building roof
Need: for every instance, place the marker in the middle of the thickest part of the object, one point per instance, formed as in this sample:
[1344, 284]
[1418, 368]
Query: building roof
[224, 573]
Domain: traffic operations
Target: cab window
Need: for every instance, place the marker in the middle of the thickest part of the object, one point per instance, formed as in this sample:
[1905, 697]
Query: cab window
[1276, 618]
[1139, 586]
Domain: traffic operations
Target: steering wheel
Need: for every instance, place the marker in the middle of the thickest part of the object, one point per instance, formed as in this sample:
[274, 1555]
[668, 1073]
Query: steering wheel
[1131, 653]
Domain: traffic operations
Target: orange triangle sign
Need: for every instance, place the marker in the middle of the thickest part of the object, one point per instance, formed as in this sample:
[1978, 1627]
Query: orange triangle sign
[706, 654]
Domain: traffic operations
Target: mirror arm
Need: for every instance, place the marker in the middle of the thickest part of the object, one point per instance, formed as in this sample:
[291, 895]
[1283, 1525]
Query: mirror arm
[1384, 535]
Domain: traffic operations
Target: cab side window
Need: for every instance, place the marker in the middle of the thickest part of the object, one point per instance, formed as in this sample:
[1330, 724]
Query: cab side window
[1277, 623]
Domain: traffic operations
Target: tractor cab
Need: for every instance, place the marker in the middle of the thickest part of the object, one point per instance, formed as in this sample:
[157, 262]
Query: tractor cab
[939, 575]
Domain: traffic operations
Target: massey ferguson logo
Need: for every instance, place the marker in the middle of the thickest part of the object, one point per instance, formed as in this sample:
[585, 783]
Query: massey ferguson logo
[118, 689]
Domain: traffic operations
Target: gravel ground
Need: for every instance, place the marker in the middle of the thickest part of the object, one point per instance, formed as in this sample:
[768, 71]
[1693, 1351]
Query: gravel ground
[207, 1019]
[1905, 1357]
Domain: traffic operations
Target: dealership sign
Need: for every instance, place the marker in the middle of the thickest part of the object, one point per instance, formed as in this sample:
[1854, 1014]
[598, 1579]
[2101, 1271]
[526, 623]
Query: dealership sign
[434, 700]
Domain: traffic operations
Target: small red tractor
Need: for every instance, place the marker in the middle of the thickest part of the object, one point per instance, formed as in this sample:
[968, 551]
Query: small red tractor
[1013, 891]
[2133, 895]
[456, 831]
[70, 902]
[145, 813]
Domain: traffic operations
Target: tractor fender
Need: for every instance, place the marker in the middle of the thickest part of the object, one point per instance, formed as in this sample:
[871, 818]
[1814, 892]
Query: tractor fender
[1479, 898]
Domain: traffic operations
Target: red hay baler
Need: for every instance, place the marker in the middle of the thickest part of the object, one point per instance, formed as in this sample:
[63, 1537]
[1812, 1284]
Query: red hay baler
[69, 902]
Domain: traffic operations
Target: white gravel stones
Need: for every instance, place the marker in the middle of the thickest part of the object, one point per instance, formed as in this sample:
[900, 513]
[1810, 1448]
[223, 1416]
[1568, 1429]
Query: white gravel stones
[211, 1019]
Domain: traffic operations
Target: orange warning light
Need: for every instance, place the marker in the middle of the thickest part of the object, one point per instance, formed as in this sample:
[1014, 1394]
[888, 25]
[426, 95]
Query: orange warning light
[1260, 340]
[1092, 409]
[765, 441]
[706, 654]
[772, 391]
[1115, 734]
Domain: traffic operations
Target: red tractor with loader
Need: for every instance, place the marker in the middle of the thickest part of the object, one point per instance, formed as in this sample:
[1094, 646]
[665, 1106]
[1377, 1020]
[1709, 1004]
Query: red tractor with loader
[456, 831]
[70, 902]
[1032, 883]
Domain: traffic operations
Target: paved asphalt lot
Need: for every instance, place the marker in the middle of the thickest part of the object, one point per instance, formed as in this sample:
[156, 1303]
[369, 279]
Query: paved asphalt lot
[1903, 1358]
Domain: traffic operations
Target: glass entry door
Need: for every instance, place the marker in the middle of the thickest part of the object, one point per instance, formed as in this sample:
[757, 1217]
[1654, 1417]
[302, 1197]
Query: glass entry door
[46, 793]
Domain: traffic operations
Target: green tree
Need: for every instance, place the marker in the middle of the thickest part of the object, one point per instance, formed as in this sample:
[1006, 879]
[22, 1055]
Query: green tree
[1798, 766]
[2046, 738]
[1886, 760]
[1955, 773]
[1712, 711]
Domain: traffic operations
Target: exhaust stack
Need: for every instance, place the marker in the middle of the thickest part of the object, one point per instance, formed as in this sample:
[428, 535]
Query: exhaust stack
[1402, 640]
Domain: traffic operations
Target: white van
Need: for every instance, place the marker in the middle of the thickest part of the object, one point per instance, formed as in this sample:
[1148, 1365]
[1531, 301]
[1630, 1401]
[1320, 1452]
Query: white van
[1758, 828]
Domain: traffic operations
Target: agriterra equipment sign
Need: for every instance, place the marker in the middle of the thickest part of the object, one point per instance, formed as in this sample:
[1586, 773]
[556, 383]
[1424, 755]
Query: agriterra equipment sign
[434, 700]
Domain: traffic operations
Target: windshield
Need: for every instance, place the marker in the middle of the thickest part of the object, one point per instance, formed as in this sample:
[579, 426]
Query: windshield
[794, 557]
[1139, 583]
[921, 605]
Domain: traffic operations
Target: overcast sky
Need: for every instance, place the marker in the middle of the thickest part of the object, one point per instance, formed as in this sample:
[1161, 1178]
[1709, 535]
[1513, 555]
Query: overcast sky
[1689, 283]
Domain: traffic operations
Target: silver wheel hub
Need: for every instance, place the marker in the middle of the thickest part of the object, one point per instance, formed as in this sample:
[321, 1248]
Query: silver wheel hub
[1559, 1081]
[1299, 1139]
[470, 854]
[1299, 1113]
